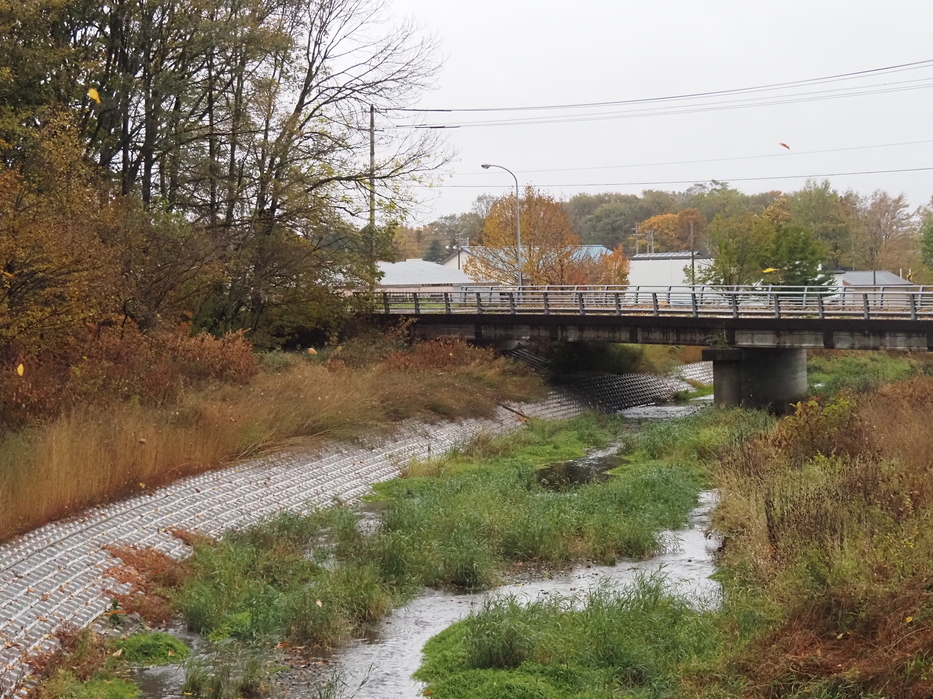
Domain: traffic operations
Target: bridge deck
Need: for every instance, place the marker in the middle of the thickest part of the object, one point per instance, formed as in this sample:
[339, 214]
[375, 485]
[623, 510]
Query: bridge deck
[914, 303]
[899, 319]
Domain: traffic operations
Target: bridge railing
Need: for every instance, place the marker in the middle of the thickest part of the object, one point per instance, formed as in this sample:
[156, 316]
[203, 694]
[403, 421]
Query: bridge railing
[733, 301]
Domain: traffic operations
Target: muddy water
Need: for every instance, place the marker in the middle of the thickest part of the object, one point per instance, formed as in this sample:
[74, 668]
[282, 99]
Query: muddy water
[381, 667]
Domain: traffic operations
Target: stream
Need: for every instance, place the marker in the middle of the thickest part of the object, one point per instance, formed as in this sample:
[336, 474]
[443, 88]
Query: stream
[380, 666]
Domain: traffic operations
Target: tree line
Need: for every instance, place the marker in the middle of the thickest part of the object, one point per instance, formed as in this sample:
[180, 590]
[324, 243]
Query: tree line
[197, 163]
[797, 236]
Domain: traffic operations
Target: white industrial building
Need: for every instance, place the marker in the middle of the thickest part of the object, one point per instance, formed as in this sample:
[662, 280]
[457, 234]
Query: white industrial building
[419, 275]
[665, 268]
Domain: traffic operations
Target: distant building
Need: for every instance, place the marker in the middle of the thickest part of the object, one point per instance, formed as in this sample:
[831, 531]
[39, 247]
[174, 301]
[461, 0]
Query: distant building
[877, 278]
[419, 275]
[664, 268]
[858, 287]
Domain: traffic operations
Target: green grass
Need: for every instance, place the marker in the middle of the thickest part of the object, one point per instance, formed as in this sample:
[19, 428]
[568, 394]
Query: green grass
[92, 666]
[230, 675]
[319, 579]
[64, 685]
[151, 648]
[700, 438]
[859, 372]
[636, 641]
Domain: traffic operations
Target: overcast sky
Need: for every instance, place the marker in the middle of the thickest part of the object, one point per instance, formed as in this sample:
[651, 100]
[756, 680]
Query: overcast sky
[506, 53]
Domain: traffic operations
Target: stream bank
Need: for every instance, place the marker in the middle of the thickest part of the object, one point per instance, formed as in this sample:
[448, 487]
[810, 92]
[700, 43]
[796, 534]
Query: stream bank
[58, 574]
[440, 486]
[43, 589]
[381, 666]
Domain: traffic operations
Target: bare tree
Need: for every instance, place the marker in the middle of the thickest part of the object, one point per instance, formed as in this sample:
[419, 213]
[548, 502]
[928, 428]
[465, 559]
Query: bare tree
[889, 231]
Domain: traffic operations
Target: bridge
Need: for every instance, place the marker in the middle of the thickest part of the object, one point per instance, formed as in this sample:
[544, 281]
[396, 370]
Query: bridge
[756, 337]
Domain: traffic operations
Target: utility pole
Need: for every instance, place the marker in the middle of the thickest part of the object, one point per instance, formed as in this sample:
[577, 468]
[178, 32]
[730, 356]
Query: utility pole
[636, 239]
[371, 240]
[693, 269]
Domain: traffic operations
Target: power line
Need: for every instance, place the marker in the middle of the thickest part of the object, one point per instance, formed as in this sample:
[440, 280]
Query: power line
[764, 101]
[691, 182]
[715, 93]
[719, 160]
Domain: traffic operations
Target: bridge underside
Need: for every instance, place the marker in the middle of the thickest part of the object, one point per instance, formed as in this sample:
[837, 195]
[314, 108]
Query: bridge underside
[757, 362]
[799, 333]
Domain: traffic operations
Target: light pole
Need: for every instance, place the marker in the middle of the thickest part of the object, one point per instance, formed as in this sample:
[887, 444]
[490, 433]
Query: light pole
[518, 223]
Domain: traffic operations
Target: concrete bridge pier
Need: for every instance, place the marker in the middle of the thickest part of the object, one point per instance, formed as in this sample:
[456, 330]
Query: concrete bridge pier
[771, 378]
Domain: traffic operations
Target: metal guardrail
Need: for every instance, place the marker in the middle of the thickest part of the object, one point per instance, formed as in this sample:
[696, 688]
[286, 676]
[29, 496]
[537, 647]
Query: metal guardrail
[913, 303]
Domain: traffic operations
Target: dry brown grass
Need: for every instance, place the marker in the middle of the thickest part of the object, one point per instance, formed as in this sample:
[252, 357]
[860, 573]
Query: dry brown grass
[88, 457]
[828, 518]
[149, 573]
[81, 652]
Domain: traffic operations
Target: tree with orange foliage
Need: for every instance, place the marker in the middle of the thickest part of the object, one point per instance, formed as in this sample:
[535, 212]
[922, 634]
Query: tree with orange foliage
[610, 269]
[55, 271]
[548, 244]
[664, 231]
[693, 217]
[671, 232]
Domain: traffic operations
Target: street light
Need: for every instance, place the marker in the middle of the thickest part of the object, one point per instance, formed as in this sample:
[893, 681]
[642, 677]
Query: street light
[518, 224]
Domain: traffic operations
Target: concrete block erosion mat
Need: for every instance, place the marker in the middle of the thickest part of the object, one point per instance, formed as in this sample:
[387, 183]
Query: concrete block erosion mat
[58, 574]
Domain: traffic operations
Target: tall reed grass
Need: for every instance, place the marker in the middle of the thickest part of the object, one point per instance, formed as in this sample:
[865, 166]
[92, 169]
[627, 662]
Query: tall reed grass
[826, 520]
[96, 454]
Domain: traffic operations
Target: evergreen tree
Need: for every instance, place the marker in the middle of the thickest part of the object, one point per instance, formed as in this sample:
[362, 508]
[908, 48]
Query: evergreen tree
[435, 252]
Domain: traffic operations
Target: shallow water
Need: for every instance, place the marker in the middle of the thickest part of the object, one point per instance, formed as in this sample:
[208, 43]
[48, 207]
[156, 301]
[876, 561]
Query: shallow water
[665, 412]
[381, 667]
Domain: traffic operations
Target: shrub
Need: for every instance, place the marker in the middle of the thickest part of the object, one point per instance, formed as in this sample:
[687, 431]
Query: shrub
[152, 648]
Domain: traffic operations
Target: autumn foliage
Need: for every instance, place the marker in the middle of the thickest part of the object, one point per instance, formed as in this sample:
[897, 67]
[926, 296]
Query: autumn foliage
[550, 250]
[826, 517]
[672, 232]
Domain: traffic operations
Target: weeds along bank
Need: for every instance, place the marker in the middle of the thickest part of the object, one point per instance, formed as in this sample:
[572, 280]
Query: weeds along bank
[792, 600]
[827, 569]
[464, 521]
[829, 554]
[142, 415]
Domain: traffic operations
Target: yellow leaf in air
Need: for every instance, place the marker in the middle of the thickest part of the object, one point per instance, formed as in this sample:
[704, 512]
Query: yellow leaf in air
[319, 603]
[909, 619]
[94, 95]
[20, 369]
